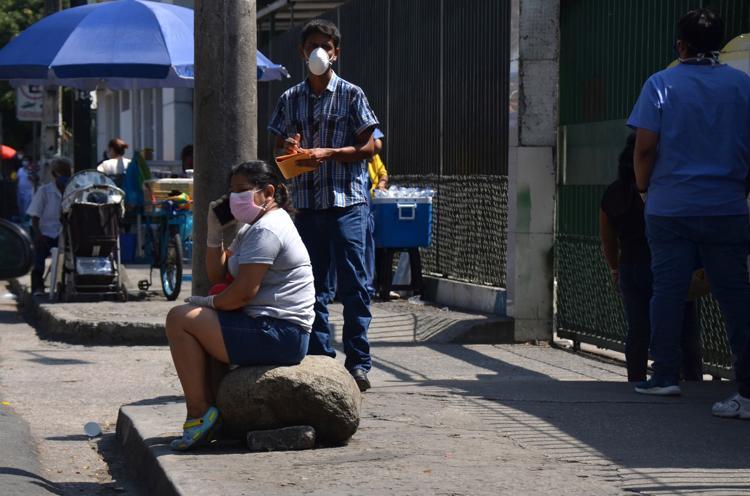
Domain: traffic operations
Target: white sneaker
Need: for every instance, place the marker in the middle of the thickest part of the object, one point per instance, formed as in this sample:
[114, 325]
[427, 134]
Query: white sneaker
[733, 407]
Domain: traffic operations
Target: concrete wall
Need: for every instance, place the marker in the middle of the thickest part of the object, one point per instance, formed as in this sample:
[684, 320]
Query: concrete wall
[534, 59]
[173, 125]
[171, 131]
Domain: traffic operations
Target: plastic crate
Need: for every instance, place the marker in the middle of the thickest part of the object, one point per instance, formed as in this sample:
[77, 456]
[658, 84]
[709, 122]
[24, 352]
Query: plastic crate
[402, 222]
[155, 190]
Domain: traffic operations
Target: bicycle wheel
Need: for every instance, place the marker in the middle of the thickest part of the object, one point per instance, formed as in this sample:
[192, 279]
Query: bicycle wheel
[171, 268]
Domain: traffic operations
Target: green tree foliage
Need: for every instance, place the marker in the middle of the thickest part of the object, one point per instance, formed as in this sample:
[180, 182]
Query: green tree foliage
[15, 16]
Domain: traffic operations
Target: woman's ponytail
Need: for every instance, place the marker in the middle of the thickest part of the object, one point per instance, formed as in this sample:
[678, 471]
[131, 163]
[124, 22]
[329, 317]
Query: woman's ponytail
[282, 198]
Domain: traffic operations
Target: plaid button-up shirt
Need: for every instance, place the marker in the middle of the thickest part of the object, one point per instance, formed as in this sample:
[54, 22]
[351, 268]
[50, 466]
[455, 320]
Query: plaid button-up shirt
[331, 120]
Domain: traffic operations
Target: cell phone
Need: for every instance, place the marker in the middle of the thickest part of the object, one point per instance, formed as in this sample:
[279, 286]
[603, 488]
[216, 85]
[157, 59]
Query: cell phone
[223, 212]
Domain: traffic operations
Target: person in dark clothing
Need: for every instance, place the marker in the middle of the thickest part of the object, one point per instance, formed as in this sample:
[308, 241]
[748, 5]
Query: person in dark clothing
[622, 230]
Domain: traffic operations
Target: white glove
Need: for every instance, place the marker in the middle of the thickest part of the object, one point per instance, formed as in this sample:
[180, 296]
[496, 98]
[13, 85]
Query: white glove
[214, 229]
[201, 301]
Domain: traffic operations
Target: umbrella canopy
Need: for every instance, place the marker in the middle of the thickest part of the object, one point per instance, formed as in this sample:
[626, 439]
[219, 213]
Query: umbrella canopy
[6, 152]
[737, 53]
[124, 44]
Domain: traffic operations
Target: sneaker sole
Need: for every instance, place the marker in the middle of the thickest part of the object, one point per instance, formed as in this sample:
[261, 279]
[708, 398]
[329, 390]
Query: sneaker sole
[660, 391]
[363, 385]
[727, 414]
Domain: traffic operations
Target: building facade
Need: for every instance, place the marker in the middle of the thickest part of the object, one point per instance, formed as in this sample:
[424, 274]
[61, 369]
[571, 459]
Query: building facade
[165, 117]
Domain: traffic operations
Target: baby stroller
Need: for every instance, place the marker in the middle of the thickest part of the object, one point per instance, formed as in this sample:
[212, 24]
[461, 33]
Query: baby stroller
[88, 263]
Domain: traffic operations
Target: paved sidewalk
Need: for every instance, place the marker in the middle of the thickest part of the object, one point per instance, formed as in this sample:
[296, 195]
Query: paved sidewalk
[141, 320]
[440, 419]
[460, 420]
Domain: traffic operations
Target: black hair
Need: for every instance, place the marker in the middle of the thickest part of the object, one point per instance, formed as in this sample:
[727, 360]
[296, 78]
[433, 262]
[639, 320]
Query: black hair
[324, 27]
[186, 152]
[702, 30]
[118, 145]
[625, 171]
[61, 166]
[260, 174]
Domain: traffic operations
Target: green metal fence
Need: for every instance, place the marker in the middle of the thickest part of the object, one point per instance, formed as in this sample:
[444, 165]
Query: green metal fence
[608, 49]
[589, 308]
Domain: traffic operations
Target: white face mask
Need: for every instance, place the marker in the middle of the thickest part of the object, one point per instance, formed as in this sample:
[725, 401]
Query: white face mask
[709, 58]
[318, 62]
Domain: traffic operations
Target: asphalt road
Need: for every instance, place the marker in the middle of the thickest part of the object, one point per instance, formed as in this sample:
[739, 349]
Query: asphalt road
[20, 471]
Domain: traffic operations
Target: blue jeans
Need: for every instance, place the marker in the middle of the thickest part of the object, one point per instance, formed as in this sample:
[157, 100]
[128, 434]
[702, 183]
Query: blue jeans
[370, 254]
[339, 234]
[635, 285]
[261, 340]
[369, 263]
[678, 245]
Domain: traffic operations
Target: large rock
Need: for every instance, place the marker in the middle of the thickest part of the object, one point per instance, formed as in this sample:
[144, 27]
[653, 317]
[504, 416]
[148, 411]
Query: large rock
[318, 392]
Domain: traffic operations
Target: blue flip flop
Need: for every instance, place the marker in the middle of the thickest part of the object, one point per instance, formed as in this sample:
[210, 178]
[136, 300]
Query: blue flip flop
[199, 431]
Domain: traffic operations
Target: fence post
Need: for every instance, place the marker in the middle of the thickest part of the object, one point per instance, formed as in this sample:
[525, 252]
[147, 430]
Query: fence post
[531, 172]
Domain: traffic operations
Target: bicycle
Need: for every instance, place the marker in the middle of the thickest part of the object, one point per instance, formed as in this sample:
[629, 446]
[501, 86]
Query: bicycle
[163, 245]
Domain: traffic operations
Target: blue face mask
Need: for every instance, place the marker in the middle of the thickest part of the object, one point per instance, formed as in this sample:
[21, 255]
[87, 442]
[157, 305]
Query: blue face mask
[62, 181]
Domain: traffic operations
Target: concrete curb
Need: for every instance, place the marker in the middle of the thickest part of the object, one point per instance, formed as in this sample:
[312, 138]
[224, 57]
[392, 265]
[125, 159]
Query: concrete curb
[54, 323]
[123, 324]
[140, 459]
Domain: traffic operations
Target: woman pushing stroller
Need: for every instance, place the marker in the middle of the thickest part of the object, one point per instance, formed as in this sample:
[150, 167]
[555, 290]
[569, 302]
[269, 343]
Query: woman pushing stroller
[263, 316]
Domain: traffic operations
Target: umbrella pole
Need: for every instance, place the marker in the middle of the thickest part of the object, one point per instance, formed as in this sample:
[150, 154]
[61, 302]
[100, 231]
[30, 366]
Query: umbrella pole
[139, 234]
[135, 118]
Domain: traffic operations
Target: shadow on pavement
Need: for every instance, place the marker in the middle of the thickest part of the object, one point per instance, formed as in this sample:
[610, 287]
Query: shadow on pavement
[158, 400]
[660, 444]
[46, 360]
[36, 480]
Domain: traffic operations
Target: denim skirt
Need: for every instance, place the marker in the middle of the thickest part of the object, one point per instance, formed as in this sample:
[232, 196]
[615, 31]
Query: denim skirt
[262, 340]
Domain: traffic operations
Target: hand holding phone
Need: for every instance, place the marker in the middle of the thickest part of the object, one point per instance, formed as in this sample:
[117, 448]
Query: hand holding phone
[222, 210]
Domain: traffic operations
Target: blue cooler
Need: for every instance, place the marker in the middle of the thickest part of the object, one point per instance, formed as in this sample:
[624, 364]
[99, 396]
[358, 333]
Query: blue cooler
[402, 222]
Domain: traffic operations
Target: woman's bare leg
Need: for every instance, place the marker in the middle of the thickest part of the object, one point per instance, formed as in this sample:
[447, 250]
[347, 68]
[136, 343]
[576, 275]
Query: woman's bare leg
[193, 332]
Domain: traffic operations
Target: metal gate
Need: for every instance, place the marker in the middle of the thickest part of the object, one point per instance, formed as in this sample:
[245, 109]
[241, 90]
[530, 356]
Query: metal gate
[608, 49]
[436, 74]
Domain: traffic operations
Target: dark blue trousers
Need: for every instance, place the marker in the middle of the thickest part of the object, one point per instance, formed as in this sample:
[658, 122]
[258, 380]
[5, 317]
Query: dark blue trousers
[678, 244]
[339, 235]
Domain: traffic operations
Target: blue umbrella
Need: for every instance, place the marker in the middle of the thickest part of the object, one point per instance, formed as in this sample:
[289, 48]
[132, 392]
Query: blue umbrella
[124, 44]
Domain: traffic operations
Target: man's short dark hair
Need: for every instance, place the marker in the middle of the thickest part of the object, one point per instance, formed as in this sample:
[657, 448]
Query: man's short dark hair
[702, 30]
[324, 27]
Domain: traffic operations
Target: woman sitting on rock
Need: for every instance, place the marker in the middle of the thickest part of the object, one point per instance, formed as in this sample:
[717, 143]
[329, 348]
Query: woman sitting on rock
[264, 316]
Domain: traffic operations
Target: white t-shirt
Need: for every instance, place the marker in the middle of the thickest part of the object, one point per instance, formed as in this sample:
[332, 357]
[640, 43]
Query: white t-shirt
[46, 205]
[114, 166]
[287, 291]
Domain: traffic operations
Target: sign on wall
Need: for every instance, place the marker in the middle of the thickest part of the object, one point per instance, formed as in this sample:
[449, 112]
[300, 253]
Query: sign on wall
[29, 103]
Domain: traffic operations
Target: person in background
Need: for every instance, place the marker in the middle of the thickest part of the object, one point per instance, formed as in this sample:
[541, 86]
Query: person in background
[25, 188]
[378, 181]
[692, 158]
[117, 165]
[263, 316]
[45, 218]
[186, 159]
[622, 230]
[331, 120]
[375, 167]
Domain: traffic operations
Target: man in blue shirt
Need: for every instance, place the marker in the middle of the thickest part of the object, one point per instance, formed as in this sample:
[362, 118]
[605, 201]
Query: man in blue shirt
[691, 162]
[330, 119]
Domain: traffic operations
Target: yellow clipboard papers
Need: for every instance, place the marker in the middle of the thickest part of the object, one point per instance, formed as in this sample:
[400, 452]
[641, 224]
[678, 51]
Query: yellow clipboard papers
[290, 164]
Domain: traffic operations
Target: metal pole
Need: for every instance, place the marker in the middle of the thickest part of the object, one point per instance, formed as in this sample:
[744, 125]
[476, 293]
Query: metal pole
[50, 141]
[225, 108]
[81, 121]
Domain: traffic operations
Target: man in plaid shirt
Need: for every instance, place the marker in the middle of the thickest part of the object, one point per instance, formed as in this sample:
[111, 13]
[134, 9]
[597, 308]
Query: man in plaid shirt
[331, 119]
